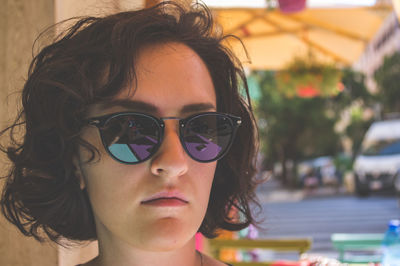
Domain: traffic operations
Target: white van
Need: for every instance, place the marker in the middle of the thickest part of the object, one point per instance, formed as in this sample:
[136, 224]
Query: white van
[377, 166]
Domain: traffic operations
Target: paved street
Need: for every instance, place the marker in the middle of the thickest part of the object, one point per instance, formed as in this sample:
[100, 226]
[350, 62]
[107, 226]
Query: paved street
[293, 214]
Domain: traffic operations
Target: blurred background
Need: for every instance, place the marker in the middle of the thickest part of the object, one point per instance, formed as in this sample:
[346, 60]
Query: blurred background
[324, 83]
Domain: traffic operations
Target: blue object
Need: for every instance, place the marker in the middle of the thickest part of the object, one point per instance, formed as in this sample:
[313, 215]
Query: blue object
[391, 244]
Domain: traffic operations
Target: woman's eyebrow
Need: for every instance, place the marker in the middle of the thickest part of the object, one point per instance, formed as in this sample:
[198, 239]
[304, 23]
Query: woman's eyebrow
[197, 107]
[130, 105]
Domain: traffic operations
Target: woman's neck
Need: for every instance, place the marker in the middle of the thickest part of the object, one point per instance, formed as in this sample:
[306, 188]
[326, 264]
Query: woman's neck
[123, 254]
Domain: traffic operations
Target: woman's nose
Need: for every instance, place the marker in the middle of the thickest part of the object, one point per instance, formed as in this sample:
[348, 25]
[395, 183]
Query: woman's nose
[171, 159]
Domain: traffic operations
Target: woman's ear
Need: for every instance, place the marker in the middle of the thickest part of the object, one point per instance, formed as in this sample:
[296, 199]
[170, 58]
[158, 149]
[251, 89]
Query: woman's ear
[78, 172]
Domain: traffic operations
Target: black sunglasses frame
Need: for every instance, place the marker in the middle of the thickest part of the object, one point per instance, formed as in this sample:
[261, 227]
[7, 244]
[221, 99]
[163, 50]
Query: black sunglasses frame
[101, 121]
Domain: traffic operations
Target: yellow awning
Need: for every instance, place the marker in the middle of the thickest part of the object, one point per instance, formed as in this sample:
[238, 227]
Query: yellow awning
[272, 38]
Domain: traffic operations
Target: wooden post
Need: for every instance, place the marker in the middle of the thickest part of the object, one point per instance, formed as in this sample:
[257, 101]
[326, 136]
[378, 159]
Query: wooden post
[20, 23]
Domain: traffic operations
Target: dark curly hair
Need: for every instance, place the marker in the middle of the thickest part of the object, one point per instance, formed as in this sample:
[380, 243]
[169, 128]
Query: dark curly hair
[91, 62]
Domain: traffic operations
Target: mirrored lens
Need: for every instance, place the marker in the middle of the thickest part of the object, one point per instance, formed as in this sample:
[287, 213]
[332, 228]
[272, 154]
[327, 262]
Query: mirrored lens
[207, 136]
[131, 138]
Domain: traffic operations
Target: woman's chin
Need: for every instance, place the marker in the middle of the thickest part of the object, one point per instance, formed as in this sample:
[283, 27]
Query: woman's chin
[169, 235]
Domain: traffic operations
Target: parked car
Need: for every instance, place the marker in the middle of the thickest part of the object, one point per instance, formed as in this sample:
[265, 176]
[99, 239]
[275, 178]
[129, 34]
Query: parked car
[377, 165]
[319, 171]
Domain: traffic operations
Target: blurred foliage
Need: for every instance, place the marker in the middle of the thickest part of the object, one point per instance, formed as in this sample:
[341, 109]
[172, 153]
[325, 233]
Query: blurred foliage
[343, 163]
[355, 90]
[305, 77]
[357, 128]
[295, 129]
[387, 78]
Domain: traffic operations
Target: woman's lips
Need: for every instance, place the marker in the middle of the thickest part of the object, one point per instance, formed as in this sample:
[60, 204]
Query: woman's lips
[165, 202]
[165, 199]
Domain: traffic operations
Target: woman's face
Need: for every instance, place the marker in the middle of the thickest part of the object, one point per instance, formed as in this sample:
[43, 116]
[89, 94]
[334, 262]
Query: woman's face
[172, 81]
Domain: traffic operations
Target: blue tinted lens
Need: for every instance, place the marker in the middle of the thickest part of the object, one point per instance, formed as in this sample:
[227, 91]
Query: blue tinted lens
[131, 138]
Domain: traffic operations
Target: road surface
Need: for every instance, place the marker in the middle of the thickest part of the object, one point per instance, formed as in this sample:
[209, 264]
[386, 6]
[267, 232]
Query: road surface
[293, 215]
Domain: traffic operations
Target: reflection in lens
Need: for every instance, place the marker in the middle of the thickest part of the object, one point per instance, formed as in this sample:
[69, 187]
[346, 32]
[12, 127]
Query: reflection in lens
[208, 136]
[123, 153]
[143, 150]
[131, 138]
[202, 148]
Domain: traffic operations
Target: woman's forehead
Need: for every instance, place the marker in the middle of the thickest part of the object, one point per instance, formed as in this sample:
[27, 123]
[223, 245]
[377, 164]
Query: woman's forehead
[170, 79]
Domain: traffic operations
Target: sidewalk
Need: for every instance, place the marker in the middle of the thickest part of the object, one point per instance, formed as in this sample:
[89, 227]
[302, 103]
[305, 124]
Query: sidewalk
[273, 191]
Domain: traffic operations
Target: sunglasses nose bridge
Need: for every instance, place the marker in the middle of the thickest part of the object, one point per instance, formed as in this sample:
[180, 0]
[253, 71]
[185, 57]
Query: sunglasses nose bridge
[164, 119]
[170, 118]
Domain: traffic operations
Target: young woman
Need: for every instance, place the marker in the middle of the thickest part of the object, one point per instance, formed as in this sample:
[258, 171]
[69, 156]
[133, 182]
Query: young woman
[137, 135]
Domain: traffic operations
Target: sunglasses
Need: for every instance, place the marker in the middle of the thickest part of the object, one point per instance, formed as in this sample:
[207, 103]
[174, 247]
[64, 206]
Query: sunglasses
[132, 138]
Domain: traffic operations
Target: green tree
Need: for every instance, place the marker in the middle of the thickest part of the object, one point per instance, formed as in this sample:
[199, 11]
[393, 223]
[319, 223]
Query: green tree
[356, 129]
[294, 128]
[355, 92]
[387, 78]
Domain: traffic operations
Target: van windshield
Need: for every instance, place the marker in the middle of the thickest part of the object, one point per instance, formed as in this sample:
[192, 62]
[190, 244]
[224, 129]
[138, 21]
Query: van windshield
[381, 147]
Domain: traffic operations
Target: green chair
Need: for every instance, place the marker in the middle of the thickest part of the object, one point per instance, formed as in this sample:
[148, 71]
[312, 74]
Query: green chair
[347, 243]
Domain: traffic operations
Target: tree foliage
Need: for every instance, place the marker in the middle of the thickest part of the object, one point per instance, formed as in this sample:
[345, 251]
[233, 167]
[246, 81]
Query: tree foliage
[387, 77]
[295, 128]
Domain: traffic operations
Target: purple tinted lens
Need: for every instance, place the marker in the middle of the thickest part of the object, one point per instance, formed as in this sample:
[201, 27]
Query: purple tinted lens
[143, 151]
[202, 148]
[206, 137]
[131, 138]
